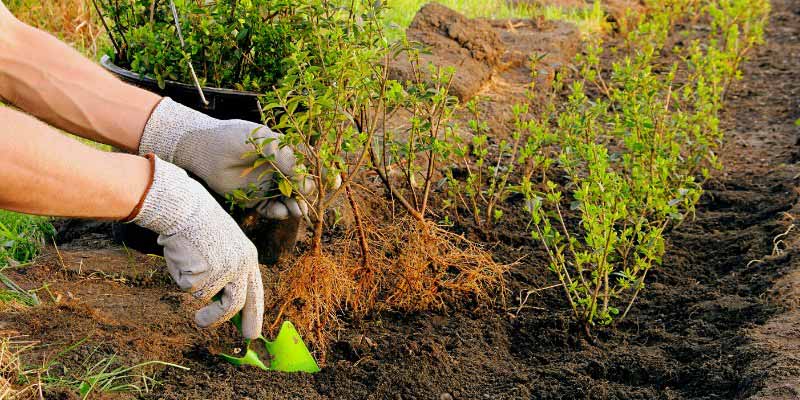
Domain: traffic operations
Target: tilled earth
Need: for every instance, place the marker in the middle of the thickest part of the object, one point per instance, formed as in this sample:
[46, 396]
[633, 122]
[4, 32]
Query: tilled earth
[719, 320]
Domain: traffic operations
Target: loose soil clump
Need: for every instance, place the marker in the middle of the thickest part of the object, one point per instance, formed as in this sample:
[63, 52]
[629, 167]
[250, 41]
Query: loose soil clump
[492, 58]
[471, 47]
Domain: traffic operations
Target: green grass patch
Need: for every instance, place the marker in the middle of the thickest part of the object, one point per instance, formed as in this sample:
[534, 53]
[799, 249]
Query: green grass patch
[100, 374]
[10, 293]
[22, 236]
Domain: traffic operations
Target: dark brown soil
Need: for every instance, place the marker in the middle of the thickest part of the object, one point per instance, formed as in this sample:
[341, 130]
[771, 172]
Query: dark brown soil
[710, 325]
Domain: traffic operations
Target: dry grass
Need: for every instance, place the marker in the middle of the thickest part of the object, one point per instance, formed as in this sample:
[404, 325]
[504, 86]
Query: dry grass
[11, 369]
[9, 303]
[73, 21]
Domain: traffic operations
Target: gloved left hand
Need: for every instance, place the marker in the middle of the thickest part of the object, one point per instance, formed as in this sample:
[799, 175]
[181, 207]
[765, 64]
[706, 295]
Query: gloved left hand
[205, 250]
[212, 149]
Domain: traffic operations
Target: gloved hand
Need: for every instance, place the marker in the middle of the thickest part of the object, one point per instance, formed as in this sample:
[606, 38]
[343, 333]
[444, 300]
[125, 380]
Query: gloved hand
[212, 149]
[205, 249]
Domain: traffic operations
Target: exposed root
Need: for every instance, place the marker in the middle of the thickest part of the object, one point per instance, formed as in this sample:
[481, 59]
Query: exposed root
[779, 245]
[370, 274]
[311, 293]
[408, 266]
[432, 267]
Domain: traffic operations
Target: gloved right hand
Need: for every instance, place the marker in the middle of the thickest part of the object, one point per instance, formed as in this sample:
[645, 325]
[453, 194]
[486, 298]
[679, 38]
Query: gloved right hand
[205, 250]
[214, 150]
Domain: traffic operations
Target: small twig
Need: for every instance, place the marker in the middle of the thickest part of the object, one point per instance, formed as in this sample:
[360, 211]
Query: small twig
[777, 240]
[528, 294]
[756, 261]
[58, 253]
[362, 238]
[108, 31]
[639, 287]
[152, 11]
[188, 58]
[776, 248]
[39, 384]
[394, 193]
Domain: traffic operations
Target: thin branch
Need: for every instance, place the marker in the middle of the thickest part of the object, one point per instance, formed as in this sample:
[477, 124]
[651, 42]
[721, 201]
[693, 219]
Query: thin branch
[108, 31]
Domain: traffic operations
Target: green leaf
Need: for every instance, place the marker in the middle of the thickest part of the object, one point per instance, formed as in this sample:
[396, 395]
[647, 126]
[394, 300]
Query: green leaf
[285, 187]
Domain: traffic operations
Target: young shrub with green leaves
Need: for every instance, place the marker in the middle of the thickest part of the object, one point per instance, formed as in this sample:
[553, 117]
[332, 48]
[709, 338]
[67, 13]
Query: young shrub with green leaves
[636, 155]
[616, 244]
[415, 150]
[333, 81]
[486, 184]
[491, 168]
[414, 142]
[343, 116]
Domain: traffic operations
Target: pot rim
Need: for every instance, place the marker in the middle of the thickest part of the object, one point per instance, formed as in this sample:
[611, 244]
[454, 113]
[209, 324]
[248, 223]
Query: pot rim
[105, 62]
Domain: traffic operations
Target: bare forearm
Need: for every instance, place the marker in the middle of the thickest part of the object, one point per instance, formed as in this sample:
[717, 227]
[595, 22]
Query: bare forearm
[50, 80]
[44, 172]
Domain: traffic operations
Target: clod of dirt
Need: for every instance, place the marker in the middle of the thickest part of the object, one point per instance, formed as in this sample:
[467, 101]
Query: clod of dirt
[471, 46]
[618, 9]
[492, 57]
[554, 43]
[59, 393]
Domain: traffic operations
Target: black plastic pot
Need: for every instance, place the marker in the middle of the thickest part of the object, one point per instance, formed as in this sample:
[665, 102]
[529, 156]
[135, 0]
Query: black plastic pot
[272, 238]
[223, 103]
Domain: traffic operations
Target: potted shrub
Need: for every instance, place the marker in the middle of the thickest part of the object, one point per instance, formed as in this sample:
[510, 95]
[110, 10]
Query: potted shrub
[214, 56]
[232, 49]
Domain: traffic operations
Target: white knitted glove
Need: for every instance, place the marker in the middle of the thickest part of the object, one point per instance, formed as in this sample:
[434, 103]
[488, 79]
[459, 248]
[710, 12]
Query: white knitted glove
[212, 149]
[205, 250]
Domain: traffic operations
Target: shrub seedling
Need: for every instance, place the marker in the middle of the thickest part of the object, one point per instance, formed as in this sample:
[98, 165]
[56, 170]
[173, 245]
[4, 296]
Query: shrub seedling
[632, 156]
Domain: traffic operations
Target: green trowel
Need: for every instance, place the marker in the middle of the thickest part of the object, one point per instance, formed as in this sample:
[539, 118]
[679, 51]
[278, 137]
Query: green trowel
[287, 352]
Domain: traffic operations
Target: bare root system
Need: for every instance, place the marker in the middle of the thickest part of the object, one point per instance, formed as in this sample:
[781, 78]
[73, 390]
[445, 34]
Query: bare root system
[410, 266]
[432, 267]
[311, 293]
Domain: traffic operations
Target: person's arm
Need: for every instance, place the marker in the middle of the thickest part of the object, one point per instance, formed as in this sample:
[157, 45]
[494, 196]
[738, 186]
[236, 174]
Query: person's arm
[44, 172]
[47, 173]
[48, 79]
[52, 81]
